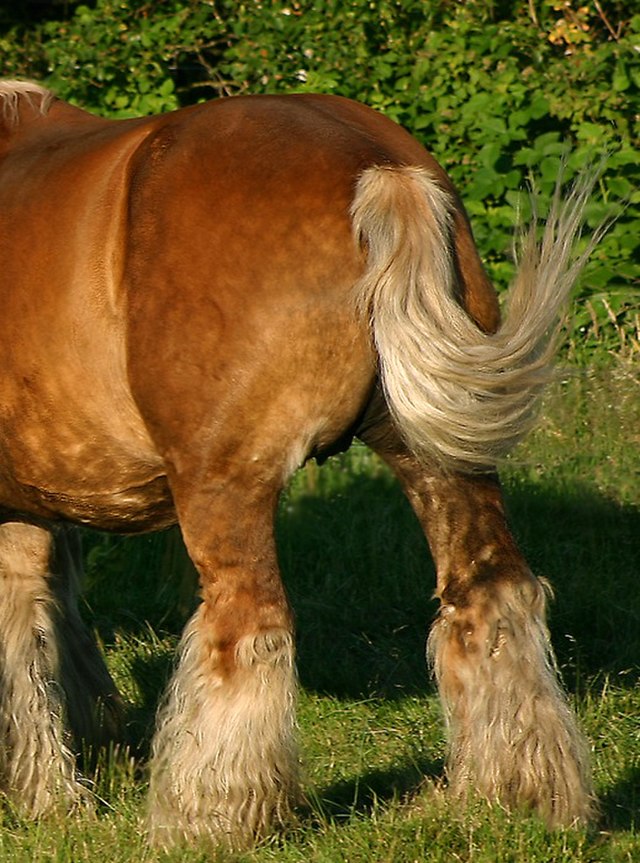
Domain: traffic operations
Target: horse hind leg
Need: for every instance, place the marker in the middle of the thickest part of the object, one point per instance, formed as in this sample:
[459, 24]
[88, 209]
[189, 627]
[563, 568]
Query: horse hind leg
[37, 767]
[512, 735]
[224, 759]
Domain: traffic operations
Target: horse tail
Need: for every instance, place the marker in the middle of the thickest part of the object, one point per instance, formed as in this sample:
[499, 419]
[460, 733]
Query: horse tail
[461, 397]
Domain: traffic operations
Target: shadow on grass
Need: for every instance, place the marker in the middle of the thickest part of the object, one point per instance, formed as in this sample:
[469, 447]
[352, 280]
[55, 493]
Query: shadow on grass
[587, 546]
[619, 805]
[358, 796]
[360, 579]
[151, 675]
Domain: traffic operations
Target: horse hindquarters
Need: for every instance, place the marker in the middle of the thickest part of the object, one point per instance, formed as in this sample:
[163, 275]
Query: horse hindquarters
[252, 373]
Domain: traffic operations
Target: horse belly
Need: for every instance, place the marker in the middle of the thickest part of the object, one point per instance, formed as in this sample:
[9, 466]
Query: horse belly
[72, 444]
[62, 471]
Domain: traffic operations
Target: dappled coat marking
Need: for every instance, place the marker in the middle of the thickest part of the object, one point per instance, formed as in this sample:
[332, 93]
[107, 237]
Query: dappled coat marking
[195, 304]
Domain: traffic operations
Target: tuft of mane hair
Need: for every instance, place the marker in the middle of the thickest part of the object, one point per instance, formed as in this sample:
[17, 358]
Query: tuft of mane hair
[11, 92]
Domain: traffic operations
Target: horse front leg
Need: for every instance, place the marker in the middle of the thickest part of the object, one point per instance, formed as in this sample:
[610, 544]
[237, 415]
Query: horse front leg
[224, 759]
[512, 734]
[37, 765]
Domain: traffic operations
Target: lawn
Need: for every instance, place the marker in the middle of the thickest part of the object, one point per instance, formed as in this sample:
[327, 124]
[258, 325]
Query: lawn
[360, 579]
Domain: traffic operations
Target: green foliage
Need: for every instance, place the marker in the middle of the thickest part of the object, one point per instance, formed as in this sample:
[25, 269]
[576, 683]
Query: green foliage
[497, 91]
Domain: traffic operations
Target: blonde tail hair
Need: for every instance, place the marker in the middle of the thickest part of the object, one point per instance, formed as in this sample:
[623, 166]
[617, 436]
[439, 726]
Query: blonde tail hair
[460, 396]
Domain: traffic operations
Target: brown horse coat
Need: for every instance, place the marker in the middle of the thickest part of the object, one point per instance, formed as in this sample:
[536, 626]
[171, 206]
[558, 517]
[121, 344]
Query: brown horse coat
[187, 267]
[192, 306]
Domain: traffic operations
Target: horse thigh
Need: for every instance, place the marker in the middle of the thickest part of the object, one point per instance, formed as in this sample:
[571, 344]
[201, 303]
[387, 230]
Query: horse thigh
[37, 769]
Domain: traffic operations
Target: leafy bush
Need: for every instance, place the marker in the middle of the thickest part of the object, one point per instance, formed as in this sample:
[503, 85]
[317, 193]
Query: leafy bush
[497, 91]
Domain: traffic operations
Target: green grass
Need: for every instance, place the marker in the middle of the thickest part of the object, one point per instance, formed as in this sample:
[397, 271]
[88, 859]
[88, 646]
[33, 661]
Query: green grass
[360, 580]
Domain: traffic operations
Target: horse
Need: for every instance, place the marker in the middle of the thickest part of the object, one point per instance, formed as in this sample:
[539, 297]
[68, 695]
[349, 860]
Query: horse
[194, 305]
